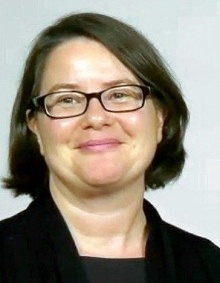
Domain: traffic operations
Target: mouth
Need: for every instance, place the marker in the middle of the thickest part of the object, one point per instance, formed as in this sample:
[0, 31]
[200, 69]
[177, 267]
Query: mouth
[99, 145]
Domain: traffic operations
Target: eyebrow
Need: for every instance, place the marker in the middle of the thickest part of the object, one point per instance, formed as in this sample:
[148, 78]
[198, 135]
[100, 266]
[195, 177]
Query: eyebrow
[62, 86]
[116, 82]
[106, 84]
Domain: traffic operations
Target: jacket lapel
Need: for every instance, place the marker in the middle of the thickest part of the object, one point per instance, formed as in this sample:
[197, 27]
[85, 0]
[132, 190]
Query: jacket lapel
[159, 257]
[54, 252]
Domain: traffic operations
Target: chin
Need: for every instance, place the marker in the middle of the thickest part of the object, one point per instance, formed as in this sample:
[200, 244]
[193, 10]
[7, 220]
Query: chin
[102, 181]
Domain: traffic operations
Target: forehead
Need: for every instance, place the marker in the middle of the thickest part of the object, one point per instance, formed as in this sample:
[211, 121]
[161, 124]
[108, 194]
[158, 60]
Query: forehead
[82, 59]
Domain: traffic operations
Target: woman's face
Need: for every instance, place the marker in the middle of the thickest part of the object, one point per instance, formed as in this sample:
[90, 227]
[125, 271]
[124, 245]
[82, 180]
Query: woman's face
[98, 150]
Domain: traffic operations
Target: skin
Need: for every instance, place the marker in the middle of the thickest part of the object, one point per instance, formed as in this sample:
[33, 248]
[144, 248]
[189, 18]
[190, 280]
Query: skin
[97, 160]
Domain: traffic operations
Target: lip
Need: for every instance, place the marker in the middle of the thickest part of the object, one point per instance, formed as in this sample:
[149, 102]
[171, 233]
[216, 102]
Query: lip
[99, 144]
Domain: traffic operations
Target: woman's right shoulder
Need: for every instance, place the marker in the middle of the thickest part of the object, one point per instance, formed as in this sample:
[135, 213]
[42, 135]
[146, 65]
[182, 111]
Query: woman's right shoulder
[20, 222]
[14, 225]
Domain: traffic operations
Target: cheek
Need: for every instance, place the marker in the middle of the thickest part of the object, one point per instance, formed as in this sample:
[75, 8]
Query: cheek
[55, 133]
[143, 126]
[134, 120]
[137, 123]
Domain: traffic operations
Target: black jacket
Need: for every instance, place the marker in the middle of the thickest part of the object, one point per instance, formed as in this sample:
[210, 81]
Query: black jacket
[36, 246]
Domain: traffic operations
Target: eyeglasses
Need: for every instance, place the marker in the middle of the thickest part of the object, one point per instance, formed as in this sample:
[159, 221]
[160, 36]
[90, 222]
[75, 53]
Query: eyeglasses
[71, 103]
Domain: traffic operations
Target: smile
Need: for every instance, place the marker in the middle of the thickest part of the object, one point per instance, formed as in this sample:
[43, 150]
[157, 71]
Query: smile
[99, 145]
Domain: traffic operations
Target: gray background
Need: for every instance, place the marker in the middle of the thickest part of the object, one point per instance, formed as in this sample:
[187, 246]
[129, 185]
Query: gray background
[187, 33]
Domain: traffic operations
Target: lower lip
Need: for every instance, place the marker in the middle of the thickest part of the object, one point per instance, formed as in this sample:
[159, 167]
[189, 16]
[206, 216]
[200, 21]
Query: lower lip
[100, 147]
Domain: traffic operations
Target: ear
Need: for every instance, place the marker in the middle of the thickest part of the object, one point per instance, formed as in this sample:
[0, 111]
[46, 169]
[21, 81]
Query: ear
[160, 123]
[32, 122]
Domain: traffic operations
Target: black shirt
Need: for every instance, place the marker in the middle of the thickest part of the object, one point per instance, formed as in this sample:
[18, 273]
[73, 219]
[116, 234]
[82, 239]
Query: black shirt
[108, 270]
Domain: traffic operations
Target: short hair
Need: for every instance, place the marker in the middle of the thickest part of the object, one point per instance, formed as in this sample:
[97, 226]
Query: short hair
[28, 172]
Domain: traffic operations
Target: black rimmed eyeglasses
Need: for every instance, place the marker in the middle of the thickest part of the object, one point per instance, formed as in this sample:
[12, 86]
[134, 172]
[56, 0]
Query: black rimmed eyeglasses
[71, 103]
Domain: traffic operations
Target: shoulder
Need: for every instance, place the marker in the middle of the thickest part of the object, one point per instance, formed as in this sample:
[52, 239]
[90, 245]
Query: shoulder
[13, 240]
[33, 222]
[19, 224]
[182, 238]
[190, 255]
[188, 243]
[177, 237]
[14, 225]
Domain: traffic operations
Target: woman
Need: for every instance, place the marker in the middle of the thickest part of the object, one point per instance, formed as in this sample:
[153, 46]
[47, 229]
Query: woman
[97, 120]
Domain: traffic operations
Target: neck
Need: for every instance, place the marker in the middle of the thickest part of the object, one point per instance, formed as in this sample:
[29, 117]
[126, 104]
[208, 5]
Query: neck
[105, 225]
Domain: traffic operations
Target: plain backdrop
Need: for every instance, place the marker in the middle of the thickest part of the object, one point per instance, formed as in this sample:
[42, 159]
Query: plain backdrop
[187, 33]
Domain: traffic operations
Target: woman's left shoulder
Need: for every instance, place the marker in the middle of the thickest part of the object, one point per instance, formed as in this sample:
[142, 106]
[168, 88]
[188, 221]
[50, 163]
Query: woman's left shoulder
[189, 244]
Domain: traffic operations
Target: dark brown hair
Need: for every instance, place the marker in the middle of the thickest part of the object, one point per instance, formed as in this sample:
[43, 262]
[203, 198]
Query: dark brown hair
[28, 172]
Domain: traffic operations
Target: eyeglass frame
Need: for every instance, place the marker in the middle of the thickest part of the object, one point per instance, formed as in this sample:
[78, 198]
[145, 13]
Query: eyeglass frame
[38, 102]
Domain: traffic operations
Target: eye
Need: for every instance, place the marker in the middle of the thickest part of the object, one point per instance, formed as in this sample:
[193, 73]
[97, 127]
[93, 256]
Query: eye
[64, 100]
[121, 95]
[68, 99]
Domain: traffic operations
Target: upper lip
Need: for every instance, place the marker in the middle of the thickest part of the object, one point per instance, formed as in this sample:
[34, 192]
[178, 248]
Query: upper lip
[95, 142]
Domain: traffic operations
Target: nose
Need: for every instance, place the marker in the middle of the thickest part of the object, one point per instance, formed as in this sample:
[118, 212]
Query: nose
[96, 116]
